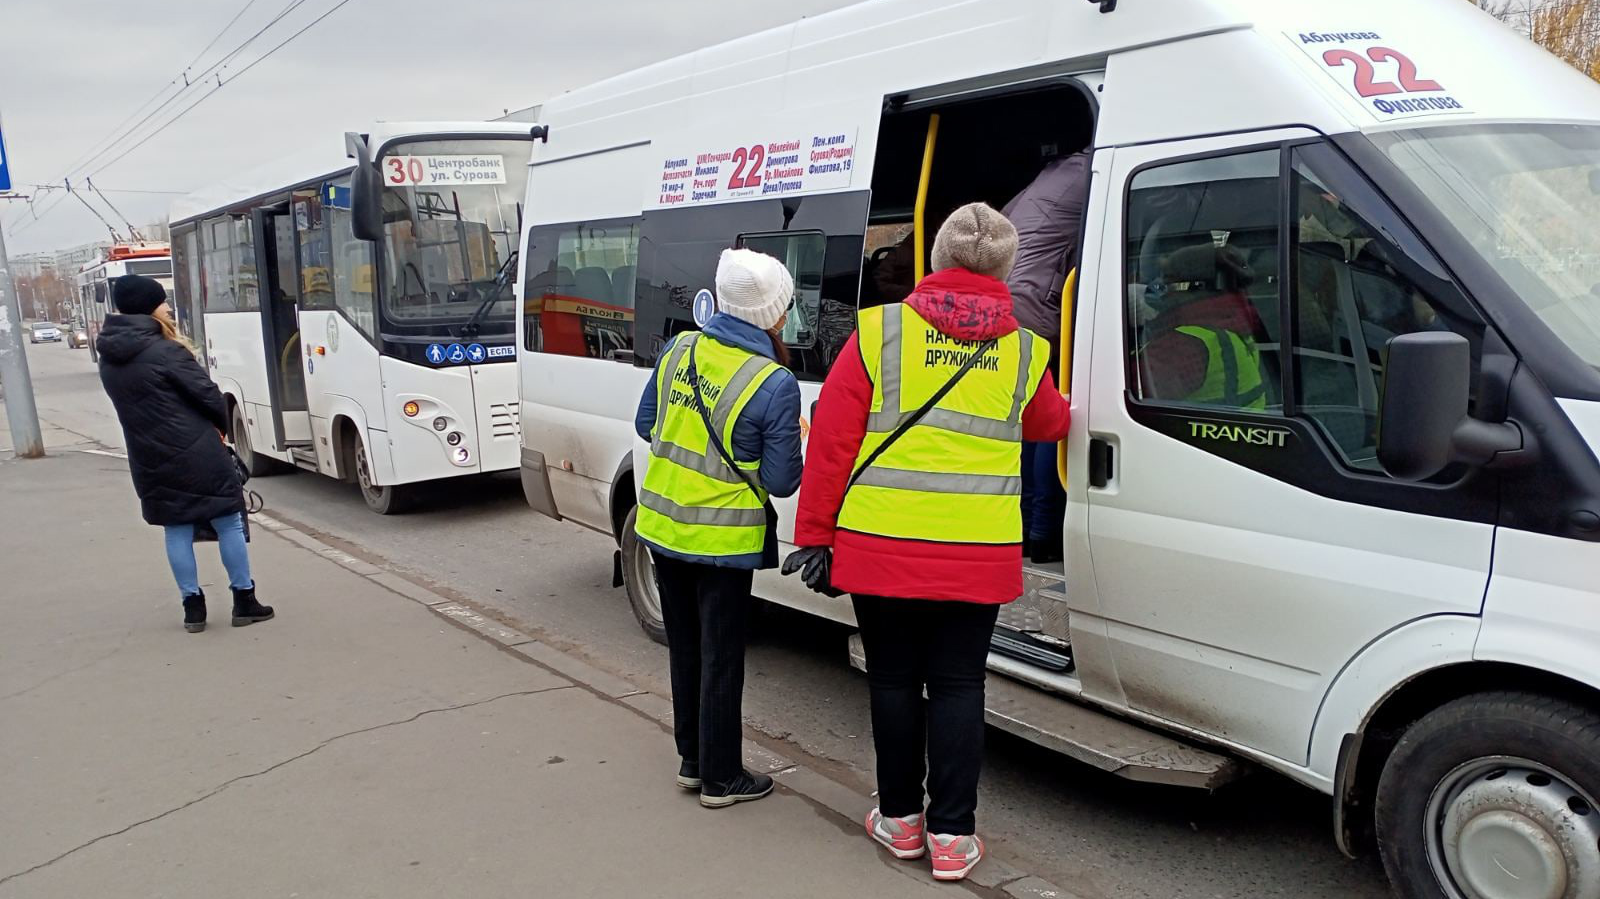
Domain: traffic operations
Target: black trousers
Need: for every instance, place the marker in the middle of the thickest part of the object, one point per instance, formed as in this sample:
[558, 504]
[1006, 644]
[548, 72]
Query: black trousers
[917, 644]
[706, 610]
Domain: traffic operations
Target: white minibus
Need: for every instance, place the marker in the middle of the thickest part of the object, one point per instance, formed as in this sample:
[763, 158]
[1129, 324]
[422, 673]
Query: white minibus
[355, 307]
[1376, 569]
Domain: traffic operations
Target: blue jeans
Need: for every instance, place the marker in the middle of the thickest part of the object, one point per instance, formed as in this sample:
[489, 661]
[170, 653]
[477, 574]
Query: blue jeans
[1044, 503]
[230, 539]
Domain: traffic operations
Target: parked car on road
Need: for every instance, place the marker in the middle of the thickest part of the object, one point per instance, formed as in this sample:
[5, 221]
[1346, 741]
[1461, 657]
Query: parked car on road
[44, 332]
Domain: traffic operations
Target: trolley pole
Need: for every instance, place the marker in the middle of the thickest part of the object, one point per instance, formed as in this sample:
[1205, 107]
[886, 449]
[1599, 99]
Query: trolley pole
[21, 413]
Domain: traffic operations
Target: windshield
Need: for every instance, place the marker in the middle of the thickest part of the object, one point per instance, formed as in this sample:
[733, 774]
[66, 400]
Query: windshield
[452, 220]
[1527, 197]
[43, 326]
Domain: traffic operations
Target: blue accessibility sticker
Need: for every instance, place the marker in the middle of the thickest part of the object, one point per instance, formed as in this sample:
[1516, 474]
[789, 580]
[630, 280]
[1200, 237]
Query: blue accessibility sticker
[456, 354]
[436, 353]
[705, 306]
[476, 353]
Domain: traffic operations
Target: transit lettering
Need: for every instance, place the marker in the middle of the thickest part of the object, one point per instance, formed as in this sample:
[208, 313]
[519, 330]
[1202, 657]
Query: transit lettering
[1271, 437]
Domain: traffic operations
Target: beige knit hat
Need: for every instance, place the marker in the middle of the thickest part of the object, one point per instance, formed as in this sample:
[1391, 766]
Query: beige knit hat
[978, 238]
[753, 287]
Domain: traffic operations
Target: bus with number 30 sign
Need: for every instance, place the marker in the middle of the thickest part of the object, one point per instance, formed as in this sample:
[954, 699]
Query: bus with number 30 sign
[355, 305]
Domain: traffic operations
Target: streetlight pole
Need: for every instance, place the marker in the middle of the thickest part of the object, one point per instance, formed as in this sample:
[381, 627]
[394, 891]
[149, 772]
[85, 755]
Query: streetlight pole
[21, 413]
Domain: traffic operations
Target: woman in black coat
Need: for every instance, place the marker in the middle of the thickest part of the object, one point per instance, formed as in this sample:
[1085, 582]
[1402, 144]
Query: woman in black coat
[173, 418]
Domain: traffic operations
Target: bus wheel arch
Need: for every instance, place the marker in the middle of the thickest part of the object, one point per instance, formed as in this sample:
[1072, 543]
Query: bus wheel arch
[353, 453]
[1366, 755]
[239, 437]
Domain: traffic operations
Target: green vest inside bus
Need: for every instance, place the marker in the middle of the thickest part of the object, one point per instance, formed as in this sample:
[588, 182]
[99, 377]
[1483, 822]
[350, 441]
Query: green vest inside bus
[956, 476]
[691, 501]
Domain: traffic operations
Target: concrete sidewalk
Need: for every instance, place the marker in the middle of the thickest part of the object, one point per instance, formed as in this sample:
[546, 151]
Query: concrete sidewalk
[362, 744]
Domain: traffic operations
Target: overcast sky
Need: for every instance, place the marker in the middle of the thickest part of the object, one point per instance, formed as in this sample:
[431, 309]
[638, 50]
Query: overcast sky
[71, 71]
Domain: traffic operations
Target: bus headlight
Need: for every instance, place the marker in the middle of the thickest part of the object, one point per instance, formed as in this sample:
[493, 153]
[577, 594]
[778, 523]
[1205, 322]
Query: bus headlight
[462, 456]
[454, 439]
[440, 423]
[412, 409]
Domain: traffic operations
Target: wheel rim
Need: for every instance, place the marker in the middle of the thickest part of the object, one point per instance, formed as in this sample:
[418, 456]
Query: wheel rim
[1509, 828]
[364, 475]
[642, 570]
[241, 440]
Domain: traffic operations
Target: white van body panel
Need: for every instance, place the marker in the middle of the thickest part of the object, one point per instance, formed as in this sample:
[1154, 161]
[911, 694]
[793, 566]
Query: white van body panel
[1543, 610]
[1585, 417]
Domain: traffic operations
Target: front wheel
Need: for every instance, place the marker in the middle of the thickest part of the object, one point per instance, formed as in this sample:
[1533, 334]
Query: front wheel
[1493, 796]
[389, 500]
[639, 577]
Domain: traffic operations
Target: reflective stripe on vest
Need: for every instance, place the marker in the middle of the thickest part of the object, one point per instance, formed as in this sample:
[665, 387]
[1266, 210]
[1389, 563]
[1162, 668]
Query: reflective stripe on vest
[956, 476]
[1233, 370]
[691, 501]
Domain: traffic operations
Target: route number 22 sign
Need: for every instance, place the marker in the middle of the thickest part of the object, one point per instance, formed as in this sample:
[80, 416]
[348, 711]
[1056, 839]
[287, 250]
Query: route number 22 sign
[1372, 70]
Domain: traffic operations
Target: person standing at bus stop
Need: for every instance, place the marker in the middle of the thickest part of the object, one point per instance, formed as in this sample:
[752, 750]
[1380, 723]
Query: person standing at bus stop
[173, 418]
[920, 519]
[722, 416]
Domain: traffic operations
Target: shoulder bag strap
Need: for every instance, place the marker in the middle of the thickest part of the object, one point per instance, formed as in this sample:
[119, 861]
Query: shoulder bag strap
[910, 421]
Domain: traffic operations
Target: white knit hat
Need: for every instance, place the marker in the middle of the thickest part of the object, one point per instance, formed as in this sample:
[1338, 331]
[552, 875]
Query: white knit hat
[753, 287]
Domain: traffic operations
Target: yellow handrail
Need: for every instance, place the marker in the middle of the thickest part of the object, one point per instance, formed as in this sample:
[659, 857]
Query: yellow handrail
[1069, 292]
[920, 240]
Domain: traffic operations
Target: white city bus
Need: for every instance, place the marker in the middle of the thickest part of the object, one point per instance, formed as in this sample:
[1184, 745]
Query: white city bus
[1405, 194]
[153, 259]
[355, 304]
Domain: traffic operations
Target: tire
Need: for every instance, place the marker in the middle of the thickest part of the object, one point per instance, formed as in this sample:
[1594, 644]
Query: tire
[254, 462]
[1493, 796]
[390, 500]
[639, 578]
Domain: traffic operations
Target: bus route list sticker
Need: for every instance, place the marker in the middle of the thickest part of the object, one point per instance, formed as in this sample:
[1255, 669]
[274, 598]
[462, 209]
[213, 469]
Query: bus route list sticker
[705, 306]
[1374, 69]
[791, 164]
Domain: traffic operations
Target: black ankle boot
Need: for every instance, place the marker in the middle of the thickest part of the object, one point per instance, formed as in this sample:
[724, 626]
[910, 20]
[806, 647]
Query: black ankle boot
[194, 613]
[246, 610]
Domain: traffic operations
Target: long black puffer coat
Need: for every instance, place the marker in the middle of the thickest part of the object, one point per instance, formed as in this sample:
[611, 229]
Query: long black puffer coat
[171, 414]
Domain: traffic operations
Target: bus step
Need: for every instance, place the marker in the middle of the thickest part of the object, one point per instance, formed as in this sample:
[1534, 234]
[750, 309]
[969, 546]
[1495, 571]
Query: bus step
[1093, 737]
[304, 457]
[1028, 649]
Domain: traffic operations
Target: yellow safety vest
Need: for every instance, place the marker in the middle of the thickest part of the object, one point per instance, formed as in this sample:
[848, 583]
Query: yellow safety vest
[691, 501]
[1233, 370]
[956, 476]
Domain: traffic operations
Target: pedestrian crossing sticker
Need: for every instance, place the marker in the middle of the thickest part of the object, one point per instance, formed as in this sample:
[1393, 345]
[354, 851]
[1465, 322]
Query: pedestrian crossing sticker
[436, 353]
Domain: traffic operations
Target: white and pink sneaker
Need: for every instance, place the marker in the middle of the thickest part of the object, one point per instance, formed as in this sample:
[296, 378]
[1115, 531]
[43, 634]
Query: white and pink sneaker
[901, 836]
[954, 856]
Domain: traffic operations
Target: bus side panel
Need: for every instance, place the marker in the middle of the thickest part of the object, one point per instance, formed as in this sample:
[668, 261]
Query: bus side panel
[579, 414]
[494, 392]
[237, 351]
[342, 380]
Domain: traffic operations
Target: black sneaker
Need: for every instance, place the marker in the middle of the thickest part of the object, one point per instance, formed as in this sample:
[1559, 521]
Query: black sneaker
[246, 610]
[1045, 551]
[194, 613]
[689, 775]
[746, 787]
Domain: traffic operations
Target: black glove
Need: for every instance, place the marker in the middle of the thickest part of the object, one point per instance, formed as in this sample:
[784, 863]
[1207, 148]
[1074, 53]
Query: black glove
[815, 564]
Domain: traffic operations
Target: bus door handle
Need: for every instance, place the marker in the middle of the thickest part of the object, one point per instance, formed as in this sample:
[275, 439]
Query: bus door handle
[1102, 463]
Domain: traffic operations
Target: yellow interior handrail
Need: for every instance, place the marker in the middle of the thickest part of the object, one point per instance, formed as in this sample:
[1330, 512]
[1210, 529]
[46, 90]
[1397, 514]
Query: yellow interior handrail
[1069, 296]
[920, 240]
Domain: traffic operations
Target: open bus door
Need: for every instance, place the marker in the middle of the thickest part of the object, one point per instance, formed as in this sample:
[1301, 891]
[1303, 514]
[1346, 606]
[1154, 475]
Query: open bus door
[280, 326]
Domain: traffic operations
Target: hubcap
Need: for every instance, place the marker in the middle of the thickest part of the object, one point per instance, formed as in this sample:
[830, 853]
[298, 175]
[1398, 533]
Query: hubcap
[642, 569]
[1508, 828]
[363, 476]
[241, 438]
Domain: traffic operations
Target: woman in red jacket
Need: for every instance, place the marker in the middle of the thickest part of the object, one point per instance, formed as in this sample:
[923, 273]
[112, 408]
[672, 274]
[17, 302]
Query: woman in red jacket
[925, 608]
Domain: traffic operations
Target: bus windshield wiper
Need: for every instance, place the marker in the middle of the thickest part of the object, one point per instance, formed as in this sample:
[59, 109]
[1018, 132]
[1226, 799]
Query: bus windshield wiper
[502, 280]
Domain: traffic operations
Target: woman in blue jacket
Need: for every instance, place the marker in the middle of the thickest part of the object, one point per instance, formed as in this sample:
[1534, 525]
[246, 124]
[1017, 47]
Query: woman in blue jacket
[704, 510]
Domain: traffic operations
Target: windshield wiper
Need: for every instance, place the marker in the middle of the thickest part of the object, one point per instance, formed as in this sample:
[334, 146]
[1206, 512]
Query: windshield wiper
[502, 280]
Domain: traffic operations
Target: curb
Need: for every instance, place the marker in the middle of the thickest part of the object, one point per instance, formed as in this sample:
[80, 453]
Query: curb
[994, 878]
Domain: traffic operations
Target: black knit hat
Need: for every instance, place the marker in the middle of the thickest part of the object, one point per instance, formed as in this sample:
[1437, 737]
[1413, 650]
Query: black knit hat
[137, 295]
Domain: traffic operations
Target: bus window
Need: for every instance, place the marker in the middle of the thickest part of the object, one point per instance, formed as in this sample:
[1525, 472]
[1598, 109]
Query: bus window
[582, 281]
[802, 254]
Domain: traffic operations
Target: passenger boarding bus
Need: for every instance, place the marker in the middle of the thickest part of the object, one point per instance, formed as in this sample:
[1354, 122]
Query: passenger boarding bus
[355, 304]
[152, 259]
[1381, 576]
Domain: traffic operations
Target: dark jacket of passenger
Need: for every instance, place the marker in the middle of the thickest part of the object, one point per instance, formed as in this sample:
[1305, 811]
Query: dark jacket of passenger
[1048, 215]
[172, 415]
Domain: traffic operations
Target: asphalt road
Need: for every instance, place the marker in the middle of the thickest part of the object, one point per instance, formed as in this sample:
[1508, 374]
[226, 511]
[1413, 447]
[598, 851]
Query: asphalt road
[1101, 836]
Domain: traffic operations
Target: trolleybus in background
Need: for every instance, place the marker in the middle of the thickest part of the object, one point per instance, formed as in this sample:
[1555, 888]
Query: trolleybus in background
[93, 303]
[355, 304]
[1346, 577]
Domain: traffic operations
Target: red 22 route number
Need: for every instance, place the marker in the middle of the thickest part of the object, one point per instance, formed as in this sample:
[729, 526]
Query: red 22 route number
[406, 170]
[747, 160]
[1367, 83]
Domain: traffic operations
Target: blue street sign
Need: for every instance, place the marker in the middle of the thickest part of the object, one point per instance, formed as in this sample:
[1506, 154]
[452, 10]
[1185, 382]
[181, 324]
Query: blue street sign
[705, 306]
[5, 168]
[436, 353]
[476, 353]
[457, 354]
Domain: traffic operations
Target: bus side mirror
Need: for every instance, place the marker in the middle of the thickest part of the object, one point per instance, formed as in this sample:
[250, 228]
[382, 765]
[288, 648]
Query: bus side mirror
[1423, 425]
[366, 190]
